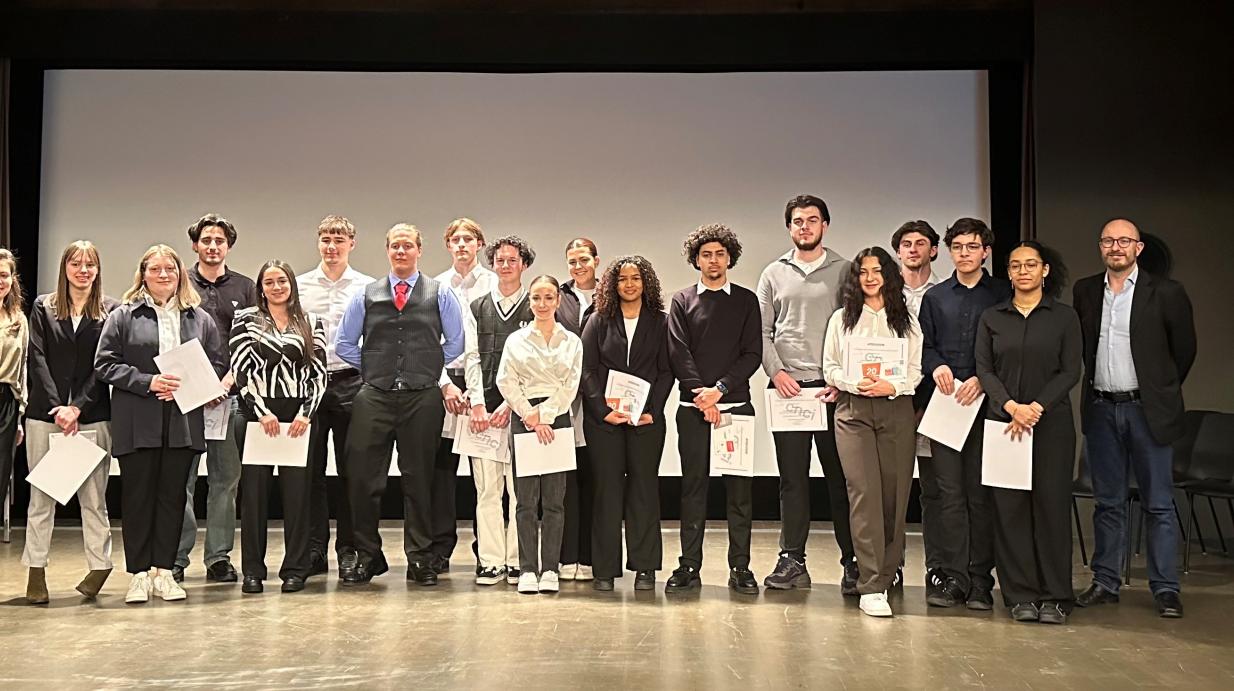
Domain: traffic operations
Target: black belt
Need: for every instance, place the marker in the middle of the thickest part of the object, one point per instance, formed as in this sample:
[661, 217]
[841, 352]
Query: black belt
[1118, 396]
[345, 373]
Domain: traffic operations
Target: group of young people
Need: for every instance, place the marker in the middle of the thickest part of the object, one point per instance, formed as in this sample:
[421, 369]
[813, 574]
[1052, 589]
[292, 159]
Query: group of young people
[410, 361]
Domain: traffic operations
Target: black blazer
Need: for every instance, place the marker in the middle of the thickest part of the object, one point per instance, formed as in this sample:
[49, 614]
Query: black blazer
[567, 310]
[1163, 346]
[60, 363]
[125, 359]
[604, 349]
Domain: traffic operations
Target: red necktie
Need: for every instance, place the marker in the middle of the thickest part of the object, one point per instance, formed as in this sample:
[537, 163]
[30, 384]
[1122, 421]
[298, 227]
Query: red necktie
[400, 295]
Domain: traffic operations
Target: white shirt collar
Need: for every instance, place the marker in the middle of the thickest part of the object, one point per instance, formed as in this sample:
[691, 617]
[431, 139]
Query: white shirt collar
[1131, 278]
[349, 274]
[727, 288]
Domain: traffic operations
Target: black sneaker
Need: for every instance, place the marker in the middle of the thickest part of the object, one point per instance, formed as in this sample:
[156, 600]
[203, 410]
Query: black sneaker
[177, 573]
[848, 582]
[317, 563]
[950, 595]
[684, 578]
[980, 599]
[934, 581]
[1051, 613]
[440, 564]
[897, 581]
[645, 580]
[743, 581]
[1025, 611]
[348, 560]
[512, 575]
[491, 575]
[221, 572]
[789, 573]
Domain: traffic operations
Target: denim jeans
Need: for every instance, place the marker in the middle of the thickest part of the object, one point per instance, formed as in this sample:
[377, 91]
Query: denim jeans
[223, 477]
[1119, 438]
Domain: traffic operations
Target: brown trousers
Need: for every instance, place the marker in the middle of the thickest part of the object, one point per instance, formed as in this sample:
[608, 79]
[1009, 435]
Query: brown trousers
[876, 439]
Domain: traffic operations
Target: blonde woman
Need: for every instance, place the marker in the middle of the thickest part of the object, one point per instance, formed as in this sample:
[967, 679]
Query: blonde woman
[14, 334]
[154, 442]
[66, 397]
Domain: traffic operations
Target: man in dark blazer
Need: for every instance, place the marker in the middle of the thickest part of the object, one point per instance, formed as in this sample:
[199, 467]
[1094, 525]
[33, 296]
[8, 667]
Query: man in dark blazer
[1139, 345]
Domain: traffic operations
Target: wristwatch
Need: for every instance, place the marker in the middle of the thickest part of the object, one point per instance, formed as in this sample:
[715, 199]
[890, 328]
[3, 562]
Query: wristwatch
[721, 388]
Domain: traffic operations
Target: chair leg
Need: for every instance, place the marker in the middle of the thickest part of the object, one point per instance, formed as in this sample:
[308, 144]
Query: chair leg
[1217, 524]
[1195, 524]
[1139, 535]
[1075, 511]
[1178, 516]
[1127, 548]
[1187, 534]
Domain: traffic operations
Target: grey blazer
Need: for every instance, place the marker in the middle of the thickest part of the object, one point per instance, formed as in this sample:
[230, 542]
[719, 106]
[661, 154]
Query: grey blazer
[125, 360]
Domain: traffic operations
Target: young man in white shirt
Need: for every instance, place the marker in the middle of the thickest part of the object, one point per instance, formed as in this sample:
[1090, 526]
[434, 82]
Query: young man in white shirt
[326, 291]
[468, 280]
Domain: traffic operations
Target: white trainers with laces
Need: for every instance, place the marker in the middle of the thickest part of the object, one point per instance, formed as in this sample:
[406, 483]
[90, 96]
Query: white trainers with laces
[139, 589]
[528, 583]
[584, 573]
[875, 605]
[548, 582]
[568, 571]
[167, 588]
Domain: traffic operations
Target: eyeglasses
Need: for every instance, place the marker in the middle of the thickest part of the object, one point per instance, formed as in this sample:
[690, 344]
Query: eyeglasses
[1017, 267]
[505, 261]
[973, 247]
[1122, 242]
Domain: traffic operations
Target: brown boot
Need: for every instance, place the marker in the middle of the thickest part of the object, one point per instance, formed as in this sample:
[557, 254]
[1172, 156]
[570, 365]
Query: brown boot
[36, 586]
[93, 583]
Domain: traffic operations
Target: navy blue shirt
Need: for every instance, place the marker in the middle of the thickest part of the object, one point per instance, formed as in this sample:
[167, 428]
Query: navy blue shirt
[949, 315]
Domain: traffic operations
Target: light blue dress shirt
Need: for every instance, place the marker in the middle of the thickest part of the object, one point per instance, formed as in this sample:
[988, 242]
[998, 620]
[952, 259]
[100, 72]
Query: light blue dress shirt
[1115, 369]
[351, 328]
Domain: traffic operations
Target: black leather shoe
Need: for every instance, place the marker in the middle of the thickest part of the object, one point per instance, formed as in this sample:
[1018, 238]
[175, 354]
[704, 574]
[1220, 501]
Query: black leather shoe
[743, 581]
[347, 563]
[317, 564]
[980, 599]
[365, 571]
[293, 584]
[251, 585]
[1052, 613]
[421, 573]
[645, 580]
[848, 582]
[950, 595]
[604, 585]
[683, 579]
[1025, 611]
[440, 564]
[221, 572]
[1169, 604]
[177, 573]
[1095, 594]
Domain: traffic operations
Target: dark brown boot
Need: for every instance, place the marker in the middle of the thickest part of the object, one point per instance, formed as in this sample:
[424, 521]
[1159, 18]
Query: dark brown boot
[93, 583]
[36, 586]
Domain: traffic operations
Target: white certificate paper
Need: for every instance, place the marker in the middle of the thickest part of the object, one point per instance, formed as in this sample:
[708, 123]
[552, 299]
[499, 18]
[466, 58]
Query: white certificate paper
[66, 465]
[801, 413]
[947, 422]
[885, 358]
[533, 458]
[1006, 463]
[198, 382]
[493, 443]
[630, 388]
[732, 447]
[260, 449]
[216, 421]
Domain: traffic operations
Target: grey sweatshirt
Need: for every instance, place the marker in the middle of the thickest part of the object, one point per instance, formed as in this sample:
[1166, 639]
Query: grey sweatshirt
[795, 308]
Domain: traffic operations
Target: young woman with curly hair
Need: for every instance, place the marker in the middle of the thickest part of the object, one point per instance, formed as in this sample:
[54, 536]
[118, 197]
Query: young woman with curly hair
[628, 332]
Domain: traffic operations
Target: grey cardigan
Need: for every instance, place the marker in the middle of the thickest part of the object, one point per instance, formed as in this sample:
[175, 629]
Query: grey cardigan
[125, 360]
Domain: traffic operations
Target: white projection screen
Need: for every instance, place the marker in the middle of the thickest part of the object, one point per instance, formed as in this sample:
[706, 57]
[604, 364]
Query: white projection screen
[634, 161]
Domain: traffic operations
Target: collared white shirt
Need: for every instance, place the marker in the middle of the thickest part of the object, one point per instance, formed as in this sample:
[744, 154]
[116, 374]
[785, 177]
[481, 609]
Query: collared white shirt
[913, 296]
[806, 267]
[727, 288]
[169, 322]
[1114, 370]
[328, 300]
[532, 367]
[479, 281]
[871, 324]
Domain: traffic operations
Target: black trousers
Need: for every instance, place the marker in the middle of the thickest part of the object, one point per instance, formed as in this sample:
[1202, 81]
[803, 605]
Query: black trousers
[333, 416]
[626, 461]
[793, 460]
[694, 447]
[8, 438]
[295, 487]
[580, 505]
[154, 489]
[1032, 529]
[379, 420]
[961, 533]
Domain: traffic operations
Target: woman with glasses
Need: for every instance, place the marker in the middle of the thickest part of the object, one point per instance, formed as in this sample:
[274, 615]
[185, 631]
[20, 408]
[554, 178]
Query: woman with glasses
[1028, 354]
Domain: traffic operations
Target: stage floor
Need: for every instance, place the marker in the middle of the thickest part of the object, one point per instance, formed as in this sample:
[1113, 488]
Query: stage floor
[393, 634]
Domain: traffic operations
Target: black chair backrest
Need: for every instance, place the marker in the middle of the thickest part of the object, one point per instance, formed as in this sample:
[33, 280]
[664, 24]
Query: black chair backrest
[1185, 445]
[1082, 486]
[1212, 457]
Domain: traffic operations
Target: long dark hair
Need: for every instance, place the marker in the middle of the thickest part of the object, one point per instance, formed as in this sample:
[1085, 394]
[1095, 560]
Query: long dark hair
[1054, 282]
[852, 299]
[60, 301]
[608, 302]
[296, 317]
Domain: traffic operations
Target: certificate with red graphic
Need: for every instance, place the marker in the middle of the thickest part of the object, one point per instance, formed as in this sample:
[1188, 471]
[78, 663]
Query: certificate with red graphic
[732, 447]
[870, 358]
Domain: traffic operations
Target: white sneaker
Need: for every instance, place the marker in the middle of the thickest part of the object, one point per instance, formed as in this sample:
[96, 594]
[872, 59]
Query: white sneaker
[548, 582]
[568, 571]
[139, 589]
[167, 588]
[528, 584]
[875, 605]
[584, 573]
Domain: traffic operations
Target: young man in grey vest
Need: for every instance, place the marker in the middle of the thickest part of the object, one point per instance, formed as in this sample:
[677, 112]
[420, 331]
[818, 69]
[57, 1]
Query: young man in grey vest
[488, 321]
[411, 327]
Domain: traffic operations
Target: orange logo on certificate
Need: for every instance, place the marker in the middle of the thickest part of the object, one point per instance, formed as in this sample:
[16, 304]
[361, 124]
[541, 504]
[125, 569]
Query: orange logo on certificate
[871, 369]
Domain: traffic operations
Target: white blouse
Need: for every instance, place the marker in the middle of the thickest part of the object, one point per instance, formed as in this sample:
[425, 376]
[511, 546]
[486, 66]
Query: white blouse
[871, 324]
[534, 368]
